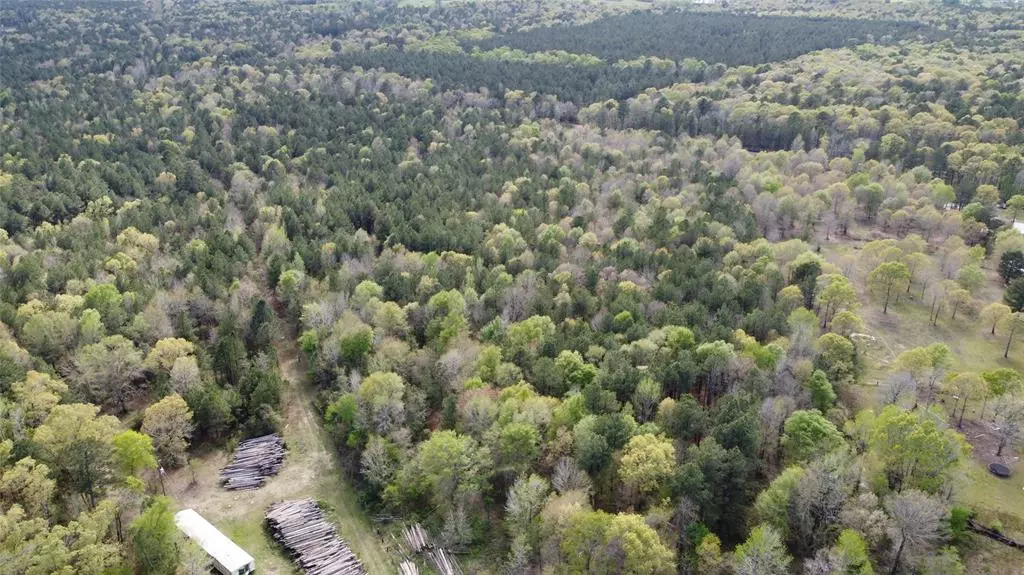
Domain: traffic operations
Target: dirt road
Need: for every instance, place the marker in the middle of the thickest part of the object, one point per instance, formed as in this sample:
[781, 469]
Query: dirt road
[310, 470]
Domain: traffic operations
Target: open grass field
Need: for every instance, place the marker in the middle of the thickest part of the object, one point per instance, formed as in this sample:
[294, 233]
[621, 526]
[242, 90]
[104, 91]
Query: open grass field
[906, 326]
[310, 470]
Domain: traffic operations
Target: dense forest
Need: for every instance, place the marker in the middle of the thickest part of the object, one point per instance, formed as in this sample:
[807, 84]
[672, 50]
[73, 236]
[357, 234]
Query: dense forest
[731, 39]
[601, 287]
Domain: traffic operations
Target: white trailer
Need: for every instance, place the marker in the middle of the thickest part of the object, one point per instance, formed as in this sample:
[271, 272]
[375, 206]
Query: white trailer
[228, 558]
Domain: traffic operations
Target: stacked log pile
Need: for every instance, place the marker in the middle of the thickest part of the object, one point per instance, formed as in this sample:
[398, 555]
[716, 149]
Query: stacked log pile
[416, 537]
[255, 460]
[312, 542]
[408, 568]
[444, 562]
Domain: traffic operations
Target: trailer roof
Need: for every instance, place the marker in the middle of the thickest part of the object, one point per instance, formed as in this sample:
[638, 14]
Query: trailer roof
[215, 543]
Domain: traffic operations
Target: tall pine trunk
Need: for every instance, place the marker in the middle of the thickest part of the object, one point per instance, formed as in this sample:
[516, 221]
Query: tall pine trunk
[1009, 340]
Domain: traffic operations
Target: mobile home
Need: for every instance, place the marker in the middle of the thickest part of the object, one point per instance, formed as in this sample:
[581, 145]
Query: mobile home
[228, 558]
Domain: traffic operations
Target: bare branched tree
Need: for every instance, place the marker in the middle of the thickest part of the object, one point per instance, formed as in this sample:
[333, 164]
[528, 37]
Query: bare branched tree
[916, 524]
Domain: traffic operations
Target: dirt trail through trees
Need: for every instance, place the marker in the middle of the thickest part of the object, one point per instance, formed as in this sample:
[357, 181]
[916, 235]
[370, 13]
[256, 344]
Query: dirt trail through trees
[311, 469]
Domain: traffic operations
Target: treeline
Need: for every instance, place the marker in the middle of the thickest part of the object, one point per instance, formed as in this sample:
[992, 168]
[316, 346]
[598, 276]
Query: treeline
[732, 39]
[462, 71]
[554, 343]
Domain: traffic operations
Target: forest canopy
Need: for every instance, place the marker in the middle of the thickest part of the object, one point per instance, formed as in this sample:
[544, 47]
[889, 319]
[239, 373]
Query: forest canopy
[585, 287]
[732, 39]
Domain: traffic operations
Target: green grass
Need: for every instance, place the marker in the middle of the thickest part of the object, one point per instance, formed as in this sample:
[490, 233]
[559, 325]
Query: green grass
[248, 533]
[342, 509]
[311, 470]
[907, 325]
[995, 499]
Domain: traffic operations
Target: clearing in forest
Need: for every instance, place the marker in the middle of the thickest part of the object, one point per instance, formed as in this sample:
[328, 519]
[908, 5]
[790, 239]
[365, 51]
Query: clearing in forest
[996, 501]
[311, 469]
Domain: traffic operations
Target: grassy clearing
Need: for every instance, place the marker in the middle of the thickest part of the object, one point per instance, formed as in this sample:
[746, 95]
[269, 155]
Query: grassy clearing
[907, 326]
[995, 499]
[311, 470]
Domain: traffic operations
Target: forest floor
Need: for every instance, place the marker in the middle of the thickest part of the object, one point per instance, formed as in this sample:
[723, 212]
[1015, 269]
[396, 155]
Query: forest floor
[311, 469]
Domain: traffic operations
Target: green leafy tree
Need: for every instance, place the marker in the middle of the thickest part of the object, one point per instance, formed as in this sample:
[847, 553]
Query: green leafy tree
[647, 463]
[1014, 321]
[822, 395]
[50, 334]
[834, 294]
[646, 398]
[28, 484]
[37, 395]
[576, 373]
[447, 310]
[169, 423]
[154, 539]
[928, 367]
[916, 451]
[709, 556]
[772, 504]
[354, 345]
[807, 434]
[105, 372]
[525, 339]
[76, 442]
[133, 452]
[342, 419]
[382, 402]
[1014, 295]
[1011, 265]
[763, 553]
[964, 387]
[518, 446]
[683, 419]
[889, 278]
[595, 540]
[1015, 204]
[32, 545]
[994, 314]
[849, 556]
[957, 299]
[166, 352]
[106, 299]
[453, 466]
[837, 357]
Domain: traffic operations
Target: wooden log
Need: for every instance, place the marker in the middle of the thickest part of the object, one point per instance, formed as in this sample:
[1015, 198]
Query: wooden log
[311, 540]
[994, 535]
[254, 461]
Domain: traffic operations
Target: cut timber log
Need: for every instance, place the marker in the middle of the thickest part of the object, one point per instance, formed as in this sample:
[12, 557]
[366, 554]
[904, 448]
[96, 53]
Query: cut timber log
[416, 537]
[443, 561]
[993, 534]
[313, 543]
[254, 461]
[408, 568]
